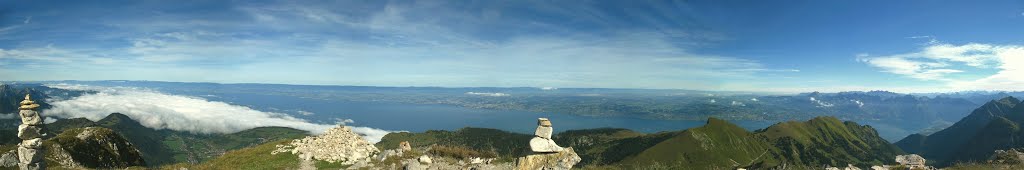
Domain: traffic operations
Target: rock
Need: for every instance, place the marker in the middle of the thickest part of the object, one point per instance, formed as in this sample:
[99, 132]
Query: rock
[544, 132]
[35, 166]
[476, 160]
[562, 160]
[9, 159]
[425, 159]
[404, 146]
[36, 143]
[876, 167]
[30, 117]
[337, 144]
[26, 132]
[543, 122]
[542, 145]
[385, 154]
[29, 155]
[912, 160]
[1011, 156]
[413, 165]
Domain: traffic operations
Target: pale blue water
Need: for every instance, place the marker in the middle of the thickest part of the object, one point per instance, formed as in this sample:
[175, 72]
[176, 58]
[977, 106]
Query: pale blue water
[422, 117]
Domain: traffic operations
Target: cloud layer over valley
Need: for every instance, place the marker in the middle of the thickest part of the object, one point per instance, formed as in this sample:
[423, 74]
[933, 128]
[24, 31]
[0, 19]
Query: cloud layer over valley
[182, 113]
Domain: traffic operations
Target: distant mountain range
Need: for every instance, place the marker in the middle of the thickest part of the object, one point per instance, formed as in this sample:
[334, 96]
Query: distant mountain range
[993, 126]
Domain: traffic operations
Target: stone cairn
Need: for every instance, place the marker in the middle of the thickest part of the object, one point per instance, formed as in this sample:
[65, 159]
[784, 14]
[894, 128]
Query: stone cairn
[30, 151]
[541, 142]
[546, 154]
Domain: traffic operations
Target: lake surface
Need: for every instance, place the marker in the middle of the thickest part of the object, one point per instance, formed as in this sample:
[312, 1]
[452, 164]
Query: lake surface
[422, 117]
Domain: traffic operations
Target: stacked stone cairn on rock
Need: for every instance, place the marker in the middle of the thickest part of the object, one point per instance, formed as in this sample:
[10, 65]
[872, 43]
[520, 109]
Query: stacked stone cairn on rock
[546, 153]
[30, 151]
[541, 142]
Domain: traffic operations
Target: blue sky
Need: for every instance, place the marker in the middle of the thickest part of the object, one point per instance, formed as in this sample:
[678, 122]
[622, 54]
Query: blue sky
[777, 46]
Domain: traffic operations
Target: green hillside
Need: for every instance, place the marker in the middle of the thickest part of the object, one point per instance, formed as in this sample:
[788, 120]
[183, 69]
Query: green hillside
[160, 147]
[716, 145]
[504, 144]
[829, 141]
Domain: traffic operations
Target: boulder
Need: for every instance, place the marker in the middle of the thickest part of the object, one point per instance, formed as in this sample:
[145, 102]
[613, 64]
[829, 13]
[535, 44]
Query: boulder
[29, 155]
[542, 145]
[9, 159]
[35, 166]
[404, 146]
[425, 159]
[30, 117]
[26, 132]
[544, 132]
[413, 165]
[383, 155]
[32, 143]
[912, 160]
[562, 160]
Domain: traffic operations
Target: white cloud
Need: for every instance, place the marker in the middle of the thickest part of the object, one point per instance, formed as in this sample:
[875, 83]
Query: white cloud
[940, 61]
[182, 113]
[858, 102]
[1009, 77]
[304, 113]
[488, 94]
[315, 42]
[753, 99]
[736, 103]
[820, 103]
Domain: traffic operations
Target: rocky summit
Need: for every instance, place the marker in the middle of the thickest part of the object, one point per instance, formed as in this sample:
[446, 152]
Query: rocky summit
[337, 144]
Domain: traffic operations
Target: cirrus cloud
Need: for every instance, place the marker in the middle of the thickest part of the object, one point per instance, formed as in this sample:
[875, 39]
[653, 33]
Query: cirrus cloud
[941, 62]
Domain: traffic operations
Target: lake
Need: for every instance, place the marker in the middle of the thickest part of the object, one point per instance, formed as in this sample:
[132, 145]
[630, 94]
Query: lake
[422, 117]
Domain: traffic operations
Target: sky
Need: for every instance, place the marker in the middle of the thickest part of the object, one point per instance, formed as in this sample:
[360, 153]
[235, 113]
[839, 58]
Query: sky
[772, 46]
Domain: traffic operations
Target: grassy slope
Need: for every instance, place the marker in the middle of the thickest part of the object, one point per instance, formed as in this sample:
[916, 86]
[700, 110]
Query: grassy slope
[505, 144]
[255, 157]
[591, 144]
[717, 145]
[826, 140]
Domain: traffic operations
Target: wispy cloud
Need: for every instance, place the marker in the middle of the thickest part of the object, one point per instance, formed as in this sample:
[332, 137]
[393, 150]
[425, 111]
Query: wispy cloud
[399, 44]
[939, 62]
